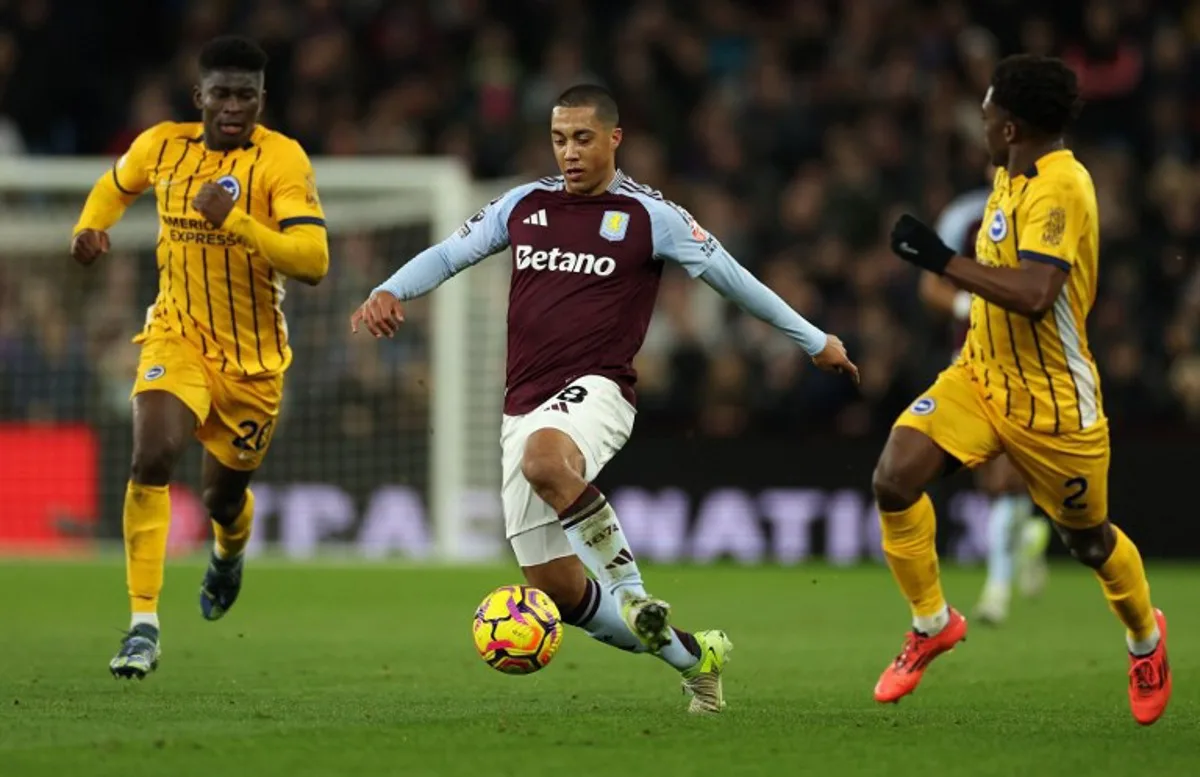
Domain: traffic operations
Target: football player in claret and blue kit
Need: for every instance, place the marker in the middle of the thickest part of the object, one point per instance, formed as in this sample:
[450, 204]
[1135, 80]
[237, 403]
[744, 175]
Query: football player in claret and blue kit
[588, 249]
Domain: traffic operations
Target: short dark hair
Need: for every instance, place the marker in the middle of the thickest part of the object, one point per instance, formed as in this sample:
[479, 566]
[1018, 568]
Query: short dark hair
[591, 96]
[1040, 91]
[232, 52]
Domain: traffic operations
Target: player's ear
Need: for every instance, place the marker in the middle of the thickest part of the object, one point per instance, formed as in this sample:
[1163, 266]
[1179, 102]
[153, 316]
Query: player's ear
[1010, 132]
[197, 97]
[615, 139]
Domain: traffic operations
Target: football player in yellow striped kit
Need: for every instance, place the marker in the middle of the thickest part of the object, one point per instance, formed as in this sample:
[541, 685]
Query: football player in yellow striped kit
[1025, 385]
[238, 213]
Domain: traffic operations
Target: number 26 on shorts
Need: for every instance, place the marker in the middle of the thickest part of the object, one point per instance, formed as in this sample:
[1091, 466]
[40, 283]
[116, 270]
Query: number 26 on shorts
[254, 437]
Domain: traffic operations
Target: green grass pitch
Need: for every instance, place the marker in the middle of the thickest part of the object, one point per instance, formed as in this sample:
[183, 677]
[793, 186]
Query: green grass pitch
[328, 670]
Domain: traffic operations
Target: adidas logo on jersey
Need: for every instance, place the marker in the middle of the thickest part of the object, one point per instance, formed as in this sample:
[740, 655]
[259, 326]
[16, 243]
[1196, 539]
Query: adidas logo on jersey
[558, 260]
[537, 219]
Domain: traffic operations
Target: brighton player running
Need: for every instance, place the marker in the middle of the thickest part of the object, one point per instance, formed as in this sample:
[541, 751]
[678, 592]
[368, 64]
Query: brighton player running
[1017, 537]
[588, 249]
[239, 212]
[1027, 384]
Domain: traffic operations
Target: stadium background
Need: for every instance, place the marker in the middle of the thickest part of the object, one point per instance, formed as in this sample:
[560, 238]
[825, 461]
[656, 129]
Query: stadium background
[795, 131]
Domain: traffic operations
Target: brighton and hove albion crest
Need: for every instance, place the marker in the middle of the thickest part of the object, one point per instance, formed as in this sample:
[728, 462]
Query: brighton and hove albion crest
[923, 406]
[998, 227]
[231, 185]
[614, 226]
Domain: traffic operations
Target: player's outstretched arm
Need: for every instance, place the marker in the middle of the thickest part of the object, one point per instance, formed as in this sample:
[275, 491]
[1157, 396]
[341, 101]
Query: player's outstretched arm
[300, 248]
[112, 193]
[382, 313]
[734, 282]
[479, 237]
[679, 238]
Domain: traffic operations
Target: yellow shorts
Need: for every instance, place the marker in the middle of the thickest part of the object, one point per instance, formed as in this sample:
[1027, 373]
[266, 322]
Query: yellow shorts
[1067, 474]
[235, 416]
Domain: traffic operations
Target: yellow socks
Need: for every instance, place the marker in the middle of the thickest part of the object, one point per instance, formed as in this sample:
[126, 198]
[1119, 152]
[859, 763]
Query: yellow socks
[147, 519]
[908, 544]
[231, 540]
[1127, 590]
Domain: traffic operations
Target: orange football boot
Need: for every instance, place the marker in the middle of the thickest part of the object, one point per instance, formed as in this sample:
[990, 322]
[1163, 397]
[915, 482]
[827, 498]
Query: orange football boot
[1150, 679]
[904, 674]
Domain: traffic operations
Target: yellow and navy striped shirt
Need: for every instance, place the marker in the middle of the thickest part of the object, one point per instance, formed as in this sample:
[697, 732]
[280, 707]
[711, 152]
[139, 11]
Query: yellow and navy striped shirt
[216, 289]
[1041, 373]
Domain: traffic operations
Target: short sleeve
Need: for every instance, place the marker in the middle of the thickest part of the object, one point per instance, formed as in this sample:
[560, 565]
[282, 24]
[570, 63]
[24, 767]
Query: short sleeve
[1054, 220]
[293, 187]
[133, 171]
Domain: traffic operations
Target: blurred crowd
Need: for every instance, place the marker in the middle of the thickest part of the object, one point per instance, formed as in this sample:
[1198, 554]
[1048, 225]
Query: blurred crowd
[795, 130]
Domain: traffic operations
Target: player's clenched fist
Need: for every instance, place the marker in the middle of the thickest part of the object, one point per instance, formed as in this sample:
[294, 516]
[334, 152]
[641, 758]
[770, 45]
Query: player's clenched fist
[833, 358]
[381, 313]
[88, 245]
[213, 203]
[916, 243]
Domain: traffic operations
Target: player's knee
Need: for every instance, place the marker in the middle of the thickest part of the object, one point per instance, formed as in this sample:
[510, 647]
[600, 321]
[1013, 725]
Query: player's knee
[222, 505]
[894, 488]
[154, 461]
[1091, 547]
[551, 462]
[910, 461]
[545, 470]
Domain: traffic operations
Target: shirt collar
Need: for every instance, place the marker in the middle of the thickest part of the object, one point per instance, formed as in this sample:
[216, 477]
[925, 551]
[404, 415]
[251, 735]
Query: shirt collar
[1037, 167]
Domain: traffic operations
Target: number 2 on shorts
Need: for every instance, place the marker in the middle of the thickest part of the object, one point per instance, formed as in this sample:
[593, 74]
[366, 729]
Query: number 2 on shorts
[1078, 489]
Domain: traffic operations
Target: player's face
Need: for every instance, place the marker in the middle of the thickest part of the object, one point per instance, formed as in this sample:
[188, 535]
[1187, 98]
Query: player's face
[998, 131]
[229, 103]
[585, 148]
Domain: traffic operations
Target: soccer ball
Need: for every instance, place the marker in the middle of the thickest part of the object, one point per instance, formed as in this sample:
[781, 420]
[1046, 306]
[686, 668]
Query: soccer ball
[517, 629]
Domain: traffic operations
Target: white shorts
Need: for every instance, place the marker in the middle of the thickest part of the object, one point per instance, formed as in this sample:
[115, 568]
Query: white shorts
[592, 412]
